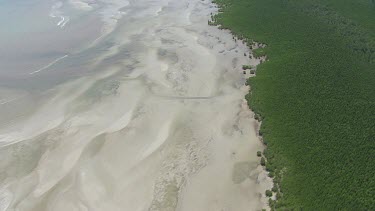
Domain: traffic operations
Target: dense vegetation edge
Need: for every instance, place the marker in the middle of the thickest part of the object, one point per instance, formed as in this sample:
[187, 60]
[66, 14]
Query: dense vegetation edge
[315, 97]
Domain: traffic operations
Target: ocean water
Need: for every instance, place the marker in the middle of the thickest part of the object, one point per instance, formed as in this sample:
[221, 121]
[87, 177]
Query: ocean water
[44, 43]
[124, 105]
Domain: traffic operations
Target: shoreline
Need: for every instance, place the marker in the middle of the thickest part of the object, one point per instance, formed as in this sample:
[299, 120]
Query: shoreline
[309, 123]
[251, 72]
[202, 156]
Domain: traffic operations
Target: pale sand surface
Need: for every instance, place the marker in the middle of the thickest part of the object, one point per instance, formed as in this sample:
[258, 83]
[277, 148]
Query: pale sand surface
[158, 122]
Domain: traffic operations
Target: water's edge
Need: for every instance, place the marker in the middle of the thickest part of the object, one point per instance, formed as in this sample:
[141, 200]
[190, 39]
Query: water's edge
[157, 122]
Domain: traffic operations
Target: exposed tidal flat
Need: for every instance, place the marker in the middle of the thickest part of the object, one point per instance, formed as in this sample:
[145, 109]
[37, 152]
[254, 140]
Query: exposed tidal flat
[147, 113]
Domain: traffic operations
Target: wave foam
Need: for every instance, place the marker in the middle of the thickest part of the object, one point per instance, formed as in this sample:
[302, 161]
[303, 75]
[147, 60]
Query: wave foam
[57, 13]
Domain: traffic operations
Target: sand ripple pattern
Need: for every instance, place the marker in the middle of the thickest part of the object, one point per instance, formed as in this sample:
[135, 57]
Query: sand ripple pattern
[159, 124]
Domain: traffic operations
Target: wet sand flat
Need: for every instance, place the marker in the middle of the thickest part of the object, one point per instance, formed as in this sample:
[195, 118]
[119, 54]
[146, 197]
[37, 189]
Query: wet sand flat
[153, 119]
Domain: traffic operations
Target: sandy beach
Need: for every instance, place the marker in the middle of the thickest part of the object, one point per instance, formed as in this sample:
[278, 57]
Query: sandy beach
[151, 116]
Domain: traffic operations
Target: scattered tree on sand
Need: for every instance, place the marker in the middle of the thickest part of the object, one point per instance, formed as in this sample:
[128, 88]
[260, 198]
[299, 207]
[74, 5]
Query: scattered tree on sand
[262, 162]
[268, 193]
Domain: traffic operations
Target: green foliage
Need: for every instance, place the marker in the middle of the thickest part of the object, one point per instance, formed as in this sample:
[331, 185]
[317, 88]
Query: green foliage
[271, 174]
[272, 204]
[256, 116]
[246, 67]
[268, 193]
[259, 52]
[274, 189]
[259, 154]
[270, 167]
[315, 95]
[262, 161]
[278, 195]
